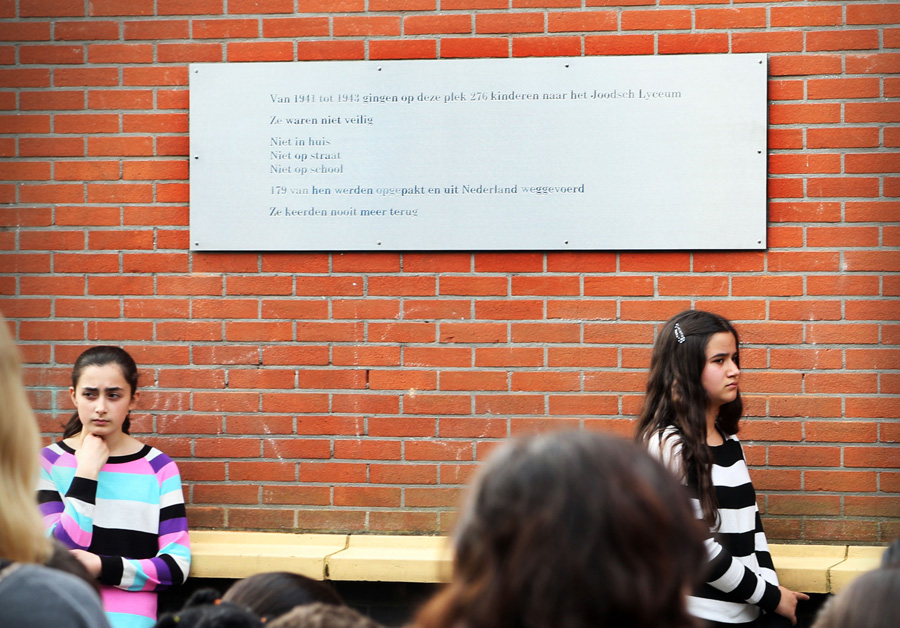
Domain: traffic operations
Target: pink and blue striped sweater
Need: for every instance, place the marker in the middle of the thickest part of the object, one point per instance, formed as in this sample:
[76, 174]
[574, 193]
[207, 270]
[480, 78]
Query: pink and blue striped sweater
[132, 516]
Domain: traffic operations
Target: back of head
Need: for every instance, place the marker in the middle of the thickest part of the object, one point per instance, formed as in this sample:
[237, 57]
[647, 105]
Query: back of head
[274, 593]
[21, 531]
[871, 601]
[571, 530]
[320, 615]
[204, 609]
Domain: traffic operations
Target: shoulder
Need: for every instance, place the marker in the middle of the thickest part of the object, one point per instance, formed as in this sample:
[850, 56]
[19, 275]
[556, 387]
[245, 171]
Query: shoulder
[161, 464]
[52, 453]
[666, 446]
[42, 594]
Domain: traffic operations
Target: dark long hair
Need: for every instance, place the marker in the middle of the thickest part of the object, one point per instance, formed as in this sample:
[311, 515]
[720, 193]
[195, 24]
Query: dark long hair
[675, 397]
[571, 530]
[101, 356]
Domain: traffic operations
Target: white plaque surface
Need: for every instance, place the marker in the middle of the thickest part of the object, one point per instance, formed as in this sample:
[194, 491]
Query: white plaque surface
[661, 152]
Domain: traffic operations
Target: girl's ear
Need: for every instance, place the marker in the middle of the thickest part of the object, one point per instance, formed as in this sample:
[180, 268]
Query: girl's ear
[134, 399]
[72, 394]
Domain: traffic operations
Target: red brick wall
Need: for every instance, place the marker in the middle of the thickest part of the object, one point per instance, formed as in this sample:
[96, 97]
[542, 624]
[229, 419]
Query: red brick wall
[356, 391]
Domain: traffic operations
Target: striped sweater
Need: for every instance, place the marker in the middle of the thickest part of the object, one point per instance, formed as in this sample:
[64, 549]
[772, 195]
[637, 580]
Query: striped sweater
[132, 516]
[741, 578]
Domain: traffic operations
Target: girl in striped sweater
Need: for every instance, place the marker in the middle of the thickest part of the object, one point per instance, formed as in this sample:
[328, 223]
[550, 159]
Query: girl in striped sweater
[114, 501]
[689, 421]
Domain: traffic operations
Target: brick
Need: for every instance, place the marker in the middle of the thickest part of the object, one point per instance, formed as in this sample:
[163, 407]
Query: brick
[260, 6]
[301, 448]
[282, 27]
[437, 356]
[432, 497]
[654, 262]
[454, 5]
[804, 406]
[705, 286]
[852, 137]
[544, 332]
[731, 18]
[398, 5]
[803, 455]
[156, 30]
[651, 310]
[581, 310]
[436, 309]
[258, 423]
[843, 481]
[804, 505]
[50, 8]
[194, 7]
[804, 65]
[785, 138]
[332, 472]
[402, 380]
[773, 41]
[846, 39]
[494, 23]
[296, 495]
[330, 50]
[403, 49]
[402, 286]
[874, 359]
[872, 112]
[729, 262]
[407, 332]
[237, 52]
[872, 407]
[618, 333]
[58, 100]
[881, 63]
[369, 403]
[581, 21]
[816, 113]
[331, 520]
[841, 431]
[367, 449]
[51, 54]
[806, 16]
[473, 380]
[436, 404]
[583, 405]
[871, 506]
[653, 20]
[401, 426]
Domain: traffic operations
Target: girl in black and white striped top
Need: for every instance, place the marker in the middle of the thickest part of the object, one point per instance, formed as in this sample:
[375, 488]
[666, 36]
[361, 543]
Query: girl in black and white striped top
[689, 420]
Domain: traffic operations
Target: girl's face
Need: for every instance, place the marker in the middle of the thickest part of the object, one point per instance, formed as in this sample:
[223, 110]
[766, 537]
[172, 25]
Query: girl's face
[103, 399]
[720, 375]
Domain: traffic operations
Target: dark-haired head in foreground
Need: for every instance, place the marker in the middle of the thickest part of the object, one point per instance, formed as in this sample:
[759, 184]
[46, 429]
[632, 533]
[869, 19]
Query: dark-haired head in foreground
[274, 593]
[571, 530]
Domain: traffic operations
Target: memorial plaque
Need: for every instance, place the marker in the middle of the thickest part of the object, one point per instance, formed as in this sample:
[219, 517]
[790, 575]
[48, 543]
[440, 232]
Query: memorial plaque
[610, 153]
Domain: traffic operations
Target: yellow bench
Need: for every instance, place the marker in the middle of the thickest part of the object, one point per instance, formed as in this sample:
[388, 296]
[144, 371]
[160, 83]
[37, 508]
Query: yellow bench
[385, 558]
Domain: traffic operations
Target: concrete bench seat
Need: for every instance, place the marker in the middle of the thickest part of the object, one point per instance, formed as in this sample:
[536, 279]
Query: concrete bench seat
[427, 559]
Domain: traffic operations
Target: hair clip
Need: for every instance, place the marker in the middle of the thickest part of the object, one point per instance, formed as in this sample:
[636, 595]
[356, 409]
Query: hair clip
[679, 334]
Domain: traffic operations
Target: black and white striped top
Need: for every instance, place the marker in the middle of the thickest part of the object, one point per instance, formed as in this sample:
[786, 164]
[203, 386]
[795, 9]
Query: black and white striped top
[741, 578]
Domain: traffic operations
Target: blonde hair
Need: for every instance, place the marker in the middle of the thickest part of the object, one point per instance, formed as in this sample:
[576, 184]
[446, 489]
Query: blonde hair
[21, 529]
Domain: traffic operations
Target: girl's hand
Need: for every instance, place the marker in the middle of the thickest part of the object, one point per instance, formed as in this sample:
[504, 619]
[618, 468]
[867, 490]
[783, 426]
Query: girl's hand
[90, 561]
[91, 456]
[787, 607]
